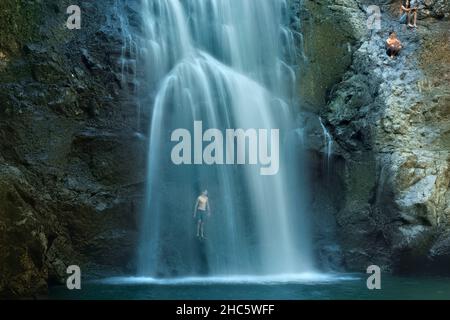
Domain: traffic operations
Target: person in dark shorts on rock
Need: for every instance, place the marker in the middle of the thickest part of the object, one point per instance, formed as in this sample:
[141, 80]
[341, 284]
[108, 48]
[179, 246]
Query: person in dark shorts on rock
[414, 7]
[411, 8]
[393, 45]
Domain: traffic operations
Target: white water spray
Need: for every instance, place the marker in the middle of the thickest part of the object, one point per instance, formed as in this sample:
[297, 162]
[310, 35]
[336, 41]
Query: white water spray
[225, 63]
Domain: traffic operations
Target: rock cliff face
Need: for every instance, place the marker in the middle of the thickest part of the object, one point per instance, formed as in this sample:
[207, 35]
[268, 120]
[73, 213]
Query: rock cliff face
[390, 123]
[71, 163]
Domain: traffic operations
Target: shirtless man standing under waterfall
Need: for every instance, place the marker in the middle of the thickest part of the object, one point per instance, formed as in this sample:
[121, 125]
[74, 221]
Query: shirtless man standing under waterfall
[201, 212]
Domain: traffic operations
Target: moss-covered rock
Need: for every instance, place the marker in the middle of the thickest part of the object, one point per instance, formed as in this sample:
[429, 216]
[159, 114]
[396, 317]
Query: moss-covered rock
[330, 31]
[18, 21]
[71, 162]
[22, 241]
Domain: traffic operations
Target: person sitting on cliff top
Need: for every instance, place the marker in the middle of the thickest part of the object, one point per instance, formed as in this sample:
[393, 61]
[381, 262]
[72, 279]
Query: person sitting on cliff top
[411, 8]
[393, 45]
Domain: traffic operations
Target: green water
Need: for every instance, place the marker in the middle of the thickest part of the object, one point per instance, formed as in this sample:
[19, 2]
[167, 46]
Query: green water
[343, 287]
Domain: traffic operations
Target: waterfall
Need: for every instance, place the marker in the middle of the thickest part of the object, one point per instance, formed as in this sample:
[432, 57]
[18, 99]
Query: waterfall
[226, 63]
[328, 142]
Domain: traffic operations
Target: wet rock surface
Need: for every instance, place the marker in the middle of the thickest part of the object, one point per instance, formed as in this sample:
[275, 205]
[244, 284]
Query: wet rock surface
[389, 121]
[71, 157]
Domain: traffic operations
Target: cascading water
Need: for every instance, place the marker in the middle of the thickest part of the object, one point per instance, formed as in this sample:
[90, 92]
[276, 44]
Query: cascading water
[328, 141]
[225, 63]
